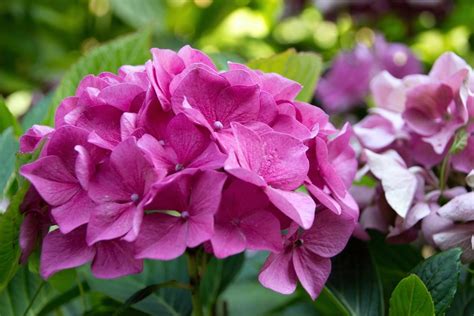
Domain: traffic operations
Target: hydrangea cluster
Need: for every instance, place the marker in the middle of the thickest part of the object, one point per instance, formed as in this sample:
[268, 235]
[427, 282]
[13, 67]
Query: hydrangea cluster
[347, 83]
[418, 142]
[174, 154]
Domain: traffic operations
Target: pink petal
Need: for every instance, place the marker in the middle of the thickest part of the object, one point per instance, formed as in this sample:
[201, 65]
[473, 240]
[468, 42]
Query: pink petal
[51, 178]
[162, 157]
[111, 220]
[227, 240]
[74, 212]
[324, 198]
[398, 182]
[312, 271]
[424, 105]
[115, 259]
[278, 273]
[262, 231]
[296, 205]
[460, 208]
[84, 166]
[162, 237]
[120, 95]
[447, 65]
[329, 234]
[388, 92]
[60, 252]
[30, 140]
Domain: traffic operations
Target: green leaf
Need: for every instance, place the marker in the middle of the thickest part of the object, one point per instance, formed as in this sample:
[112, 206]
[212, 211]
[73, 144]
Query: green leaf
[460, 141]
[28, 289]
[37, 113]
[221, 59]
[147, 291]
[8, 148]
[7, 119]
[304, 68]
[463, 303]
[251, 298]
[140, 13]
[218, 275]
[411, 298]
[355, 281]
[127, 50]
[10, 222]
[393, 262]
[165, 301]
[327, 304]
[440, 273]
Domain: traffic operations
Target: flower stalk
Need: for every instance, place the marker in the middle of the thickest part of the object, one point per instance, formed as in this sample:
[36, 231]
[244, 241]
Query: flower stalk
[195, 281]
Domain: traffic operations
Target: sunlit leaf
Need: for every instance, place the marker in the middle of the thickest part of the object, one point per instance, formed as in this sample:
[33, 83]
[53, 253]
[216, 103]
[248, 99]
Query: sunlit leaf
[440, 274]
[411, 298]
[303, 68]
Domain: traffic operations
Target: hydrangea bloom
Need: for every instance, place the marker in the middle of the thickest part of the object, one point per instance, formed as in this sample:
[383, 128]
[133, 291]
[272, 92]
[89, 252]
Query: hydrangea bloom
[417, 143]
[347, 82]
[156, 159]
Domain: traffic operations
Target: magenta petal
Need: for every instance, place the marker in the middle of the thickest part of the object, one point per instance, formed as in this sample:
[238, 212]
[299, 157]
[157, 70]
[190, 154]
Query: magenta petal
[262, 231]
[102, 121]
[278, 273]
[162, 157]
[162, 237]
[111, 220]
[227, 240]
[424, 105]
[210, 158]
[114, 259]
[329, 233]
[312, 271]
[288, 125]
[285, 165]
[30, 233]
[30, 140]
[296, 205]
[324, 198]
[236, 104]
[51, 178]
[84, 166]
[190, 55]
[280, 87]
[74, 212]
[120, 95]
[200, 86]
[202, 200]
[62, 252]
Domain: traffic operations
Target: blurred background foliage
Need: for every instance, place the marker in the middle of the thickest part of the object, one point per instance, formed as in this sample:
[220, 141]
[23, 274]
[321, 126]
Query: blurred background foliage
[40, 39]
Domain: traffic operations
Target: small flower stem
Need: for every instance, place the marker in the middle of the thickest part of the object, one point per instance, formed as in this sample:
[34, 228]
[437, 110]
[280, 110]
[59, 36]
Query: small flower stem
[195, 280]
[444, 173]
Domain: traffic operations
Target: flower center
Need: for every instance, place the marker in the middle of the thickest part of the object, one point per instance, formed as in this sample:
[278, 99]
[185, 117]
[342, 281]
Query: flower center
[178, 167]
[400, 58]
[185, 215]
[299, 243]
[134, 197]
[218, 125]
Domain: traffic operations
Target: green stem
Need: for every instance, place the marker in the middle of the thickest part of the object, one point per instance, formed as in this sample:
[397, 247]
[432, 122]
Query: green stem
[195, 280]
[38, 290]
[443, 173]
